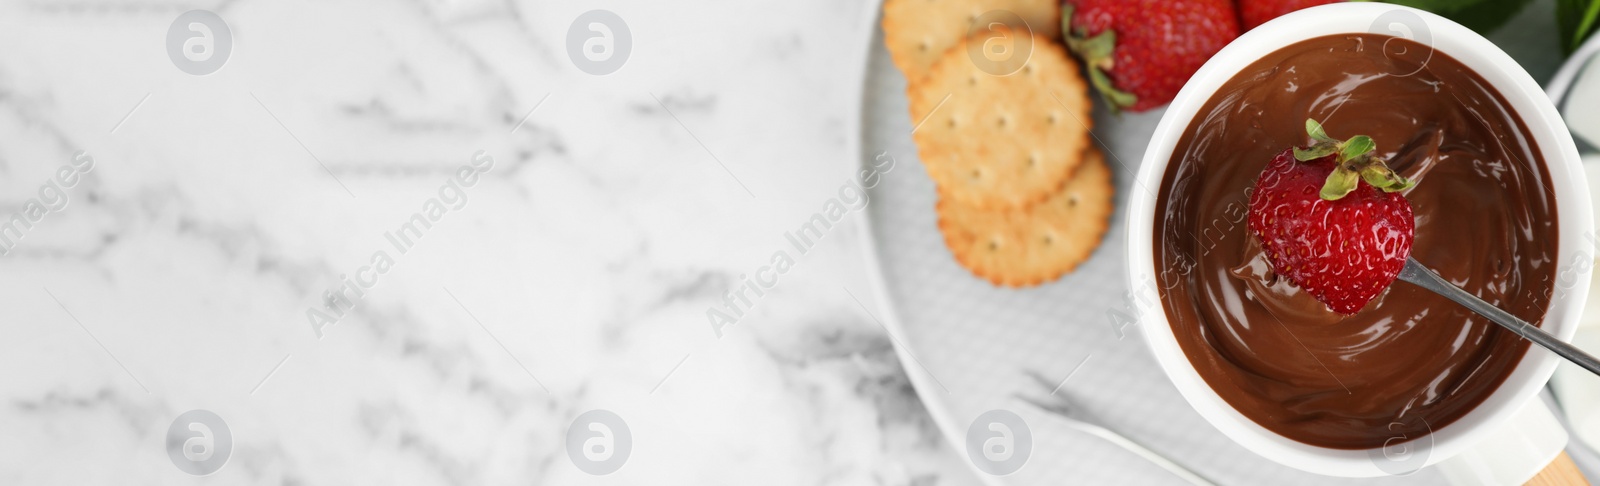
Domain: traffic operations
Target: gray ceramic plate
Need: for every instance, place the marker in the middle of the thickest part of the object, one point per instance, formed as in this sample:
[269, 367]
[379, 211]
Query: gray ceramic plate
[969, 346]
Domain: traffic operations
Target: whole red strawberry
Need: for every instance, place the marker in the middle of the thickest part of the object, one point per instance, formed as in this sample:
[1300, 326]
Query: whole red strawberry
[1140, 52]
[1257, 12]
[1330, 217]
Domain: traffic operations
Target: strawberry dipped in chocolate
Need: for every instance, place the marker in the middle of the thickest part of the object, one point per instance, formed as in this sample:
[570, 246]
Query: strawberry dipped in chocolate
[1332, 219]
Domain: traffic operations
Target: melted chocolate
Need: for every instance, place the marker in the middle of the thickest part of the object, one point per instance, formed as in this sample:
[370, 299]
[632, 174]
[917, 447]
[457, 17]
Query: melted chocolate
[1411, 361]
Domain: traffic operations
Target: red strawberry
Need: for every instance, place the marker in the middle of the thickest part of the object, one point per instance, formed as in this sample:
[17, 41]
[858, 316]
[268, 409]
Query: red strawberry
[1140, 52]
[1330, 217]
[1257, 12]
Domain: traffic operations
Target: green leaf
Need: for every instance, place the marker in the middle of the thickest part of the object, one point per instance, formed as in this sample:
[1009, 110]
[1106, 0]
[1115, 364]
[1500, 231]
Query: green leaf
[1586, 26]
[1117, 99]
[1096, 48]
[1383, 178]
[1483, 16]
[1357, 146]
[1316, 132]
[1314, 152]
[1576, 20]
[1380, 176]
[1340, 182]
[1066, 19]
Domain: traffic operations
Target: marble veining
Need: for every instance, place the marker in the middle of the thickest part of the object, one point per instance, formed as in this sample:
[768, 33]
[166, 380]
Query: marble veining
[575, 276]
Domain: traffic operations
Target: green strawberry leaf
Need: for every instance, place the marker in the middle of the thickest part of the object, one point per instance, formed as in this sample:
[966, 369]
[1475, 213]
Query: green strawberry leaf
[1066, 19]
[1116, 99]
[1316, 132]
[1356, 163]
[1380, 176]
[1340, 182]
[1356, 146]
[1094, 49]
[1314, 152]
[1096, 52]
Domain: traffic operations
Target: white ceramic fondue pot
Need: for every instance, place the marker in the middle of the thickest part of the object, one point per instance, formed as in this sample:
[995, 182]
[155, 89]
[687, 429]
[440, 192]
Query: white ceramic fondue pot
[1511, 435]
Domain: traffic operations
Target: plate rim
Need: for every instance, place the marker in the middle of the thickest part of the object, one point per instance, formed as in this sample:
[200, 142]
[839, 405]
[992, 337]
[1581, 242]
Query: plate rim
[938, 408]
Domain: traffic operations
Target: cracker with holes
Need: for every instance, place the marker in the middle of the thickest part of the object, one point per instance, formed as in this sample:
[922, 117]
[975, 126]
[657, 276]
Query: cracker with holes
[917, 32]
[1022, 248]
[1001, 142]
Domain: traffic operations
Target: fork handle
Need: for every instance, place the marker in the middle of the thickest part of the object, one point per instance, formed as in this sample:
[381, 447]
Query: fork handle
[1420, 275]
[1146, 453]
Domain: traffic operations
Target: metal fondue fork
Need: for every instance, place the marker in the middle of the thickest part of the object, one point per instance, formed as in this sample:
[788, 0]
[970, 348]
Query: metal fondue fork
[1066, 414]
[1420, 275]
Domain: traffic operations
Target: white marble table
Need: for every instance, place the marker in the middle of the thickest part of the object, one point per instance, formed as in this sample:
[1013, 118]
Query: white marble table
[575, 274]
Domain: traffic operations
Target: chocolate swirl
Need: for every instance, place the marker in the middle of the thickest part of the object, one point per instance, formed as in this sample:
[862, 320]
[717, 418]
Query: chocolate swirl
[1411, 361]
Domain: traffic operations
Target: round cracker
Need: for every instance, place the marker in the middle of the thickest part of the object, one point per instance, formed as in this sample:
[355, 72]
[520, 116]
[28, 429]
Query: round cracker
[917, 32]
[1001, 142]
[1022, 248]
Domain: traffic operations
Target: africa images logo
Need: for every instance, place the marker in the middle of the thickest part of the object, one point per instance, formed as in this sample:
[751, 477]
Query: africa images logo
[599, 442]
[199, 442]
[599, 42]
[199, 42]
[999, 442]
